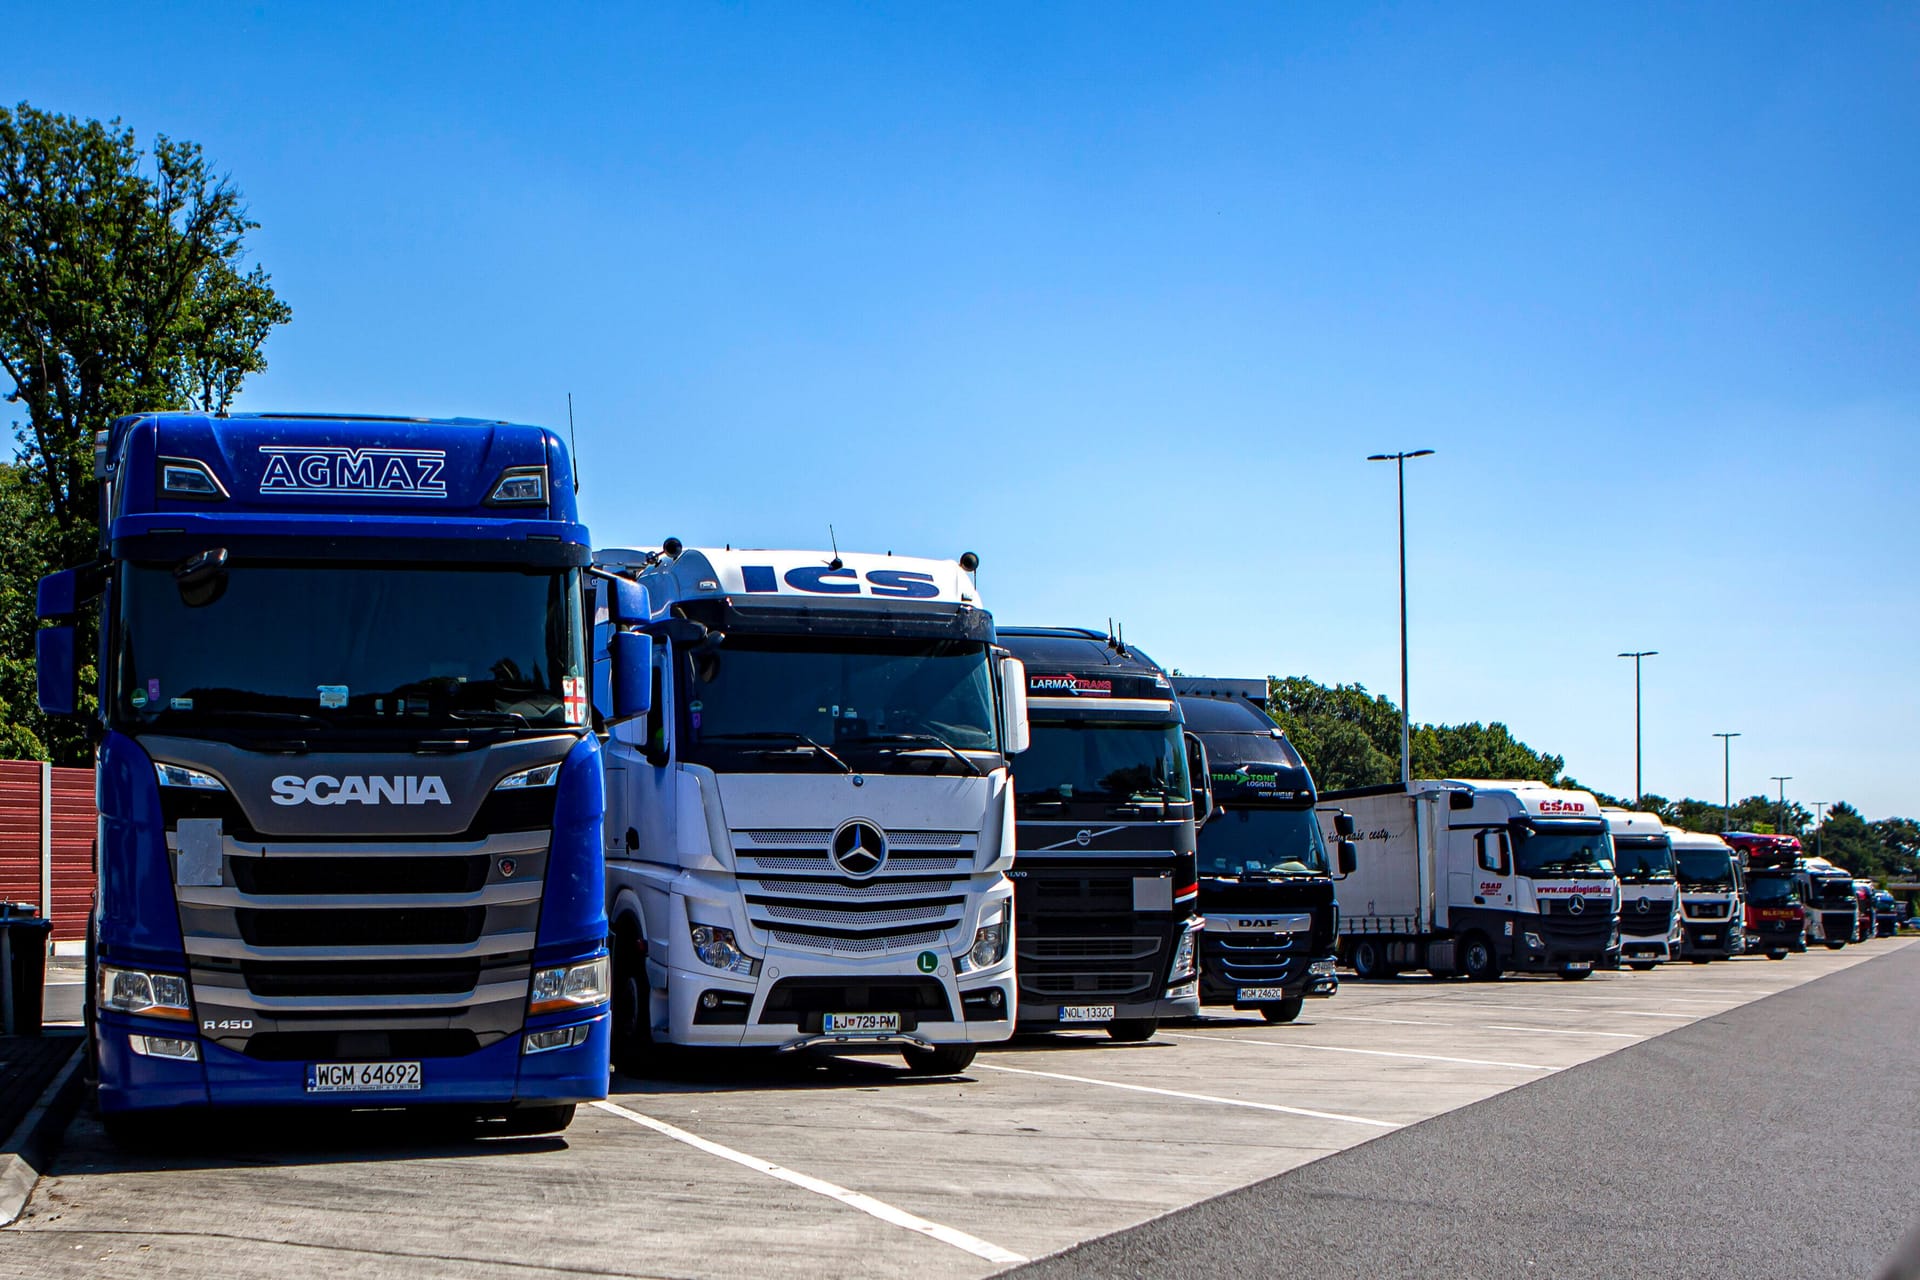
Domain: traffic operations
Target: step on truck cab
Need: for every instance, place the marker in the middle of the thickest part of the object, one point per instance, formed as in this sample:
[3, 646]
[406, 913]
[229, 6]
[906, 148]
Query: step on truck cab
[1477, 878]
[1833, 911]
[1266, 871]
[349, 804]
[1712, 896]
[809, 818]
[1776, 920]
[1105, 799]
[1643, 863]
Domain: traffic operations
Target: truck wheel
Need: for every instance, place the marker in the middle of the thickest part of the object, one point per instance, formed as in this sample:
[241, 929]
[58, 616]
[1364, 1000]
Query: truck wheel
[1575, 975]
[1698, 959]
[1835, 944]
[525, 1121]
[941, 1060]
[1286, 1011]
[1477, 961]
[1641, 966]
[1776, 955]
[1132, 1030]
[634, 1051]
[1368, 960]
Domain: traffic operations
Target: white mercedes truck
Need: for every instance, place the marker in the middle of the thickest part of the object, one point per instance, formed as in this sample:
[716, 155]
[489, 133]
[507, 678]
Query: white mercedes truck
[1476, 878]
[1712, 896]
[810, 819]
[1643, 863]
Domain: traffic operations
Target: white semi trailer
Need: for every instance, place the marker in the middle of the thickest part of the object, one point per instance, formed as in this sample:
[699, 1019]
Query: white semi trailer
[1476, 878]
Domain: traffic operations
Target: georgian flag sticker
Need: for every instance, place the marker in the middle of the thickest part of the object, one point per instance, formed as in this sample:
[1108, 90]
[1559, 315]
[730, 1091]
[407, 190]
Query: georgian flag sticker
[573, 690]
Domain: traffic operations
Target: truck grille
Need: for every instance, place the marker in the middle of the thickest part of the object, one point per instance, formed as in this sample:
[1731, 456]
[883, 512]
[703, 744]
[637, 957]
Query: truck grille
[1077, 934]
[1706, 910]
[1253, 959]
[1652, 923]
[797, 895]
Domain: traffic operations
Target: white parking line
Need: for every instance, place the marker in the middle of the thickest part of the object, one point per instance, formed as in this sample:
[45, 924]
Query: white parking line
[1192, 1097]
[1565, 1031]
[1525, 1007]
[1371, 1053]
[1388, 1022]
[866, 1204]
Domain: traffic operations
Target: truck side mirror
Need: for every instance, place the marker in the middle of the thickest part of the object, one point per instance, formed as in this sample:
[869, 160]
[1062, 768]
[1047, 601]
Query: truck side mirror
[1202, 781]
[1344, 825]
[56, 670]
[1016, 731]
[627, 601]
[1349, 857]
[632, 657]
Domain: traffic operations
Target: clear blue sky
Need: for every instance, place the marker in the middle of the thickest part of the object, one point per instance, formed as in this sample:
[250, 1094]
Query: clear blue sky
[1120, 298]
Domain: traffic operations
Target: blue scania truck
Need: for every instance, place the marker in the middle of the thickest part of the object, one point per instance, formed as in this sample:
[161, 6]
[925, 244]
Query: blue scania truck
[350, 807]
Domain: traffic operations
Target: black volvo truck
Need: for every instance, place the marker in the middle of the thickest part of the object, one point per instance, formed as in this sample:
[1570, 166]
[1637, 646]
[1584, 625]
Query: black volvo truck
[1266, 878]
[1105, 927]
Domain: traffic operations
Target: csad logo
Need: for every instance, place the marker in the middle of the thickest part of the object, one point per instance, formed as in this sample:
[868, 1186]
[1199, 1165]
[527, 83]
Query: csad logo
[335, 469]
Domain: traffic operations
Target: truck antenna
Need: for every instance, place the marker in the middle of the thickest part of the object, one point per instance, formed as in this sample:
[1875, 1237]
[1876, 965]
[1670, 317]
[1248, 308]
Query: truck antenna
[836, 562]
[573, 444]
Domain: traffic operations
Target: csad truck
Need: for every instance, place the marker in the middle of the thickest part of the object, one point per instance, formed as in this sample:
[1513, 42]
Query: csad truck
[1643, 863]
[809, 803]
[348, 843]
[1477, 878]
[1105, 802]
[1266, 872]
[1712, 896]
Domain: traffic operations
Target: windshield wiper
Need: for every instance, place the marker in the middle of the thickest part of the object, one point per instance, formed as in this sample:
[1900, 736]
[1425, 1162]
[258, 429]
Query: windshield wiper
[932, 738]
[505, 719]
[780, 735]
[266, 717]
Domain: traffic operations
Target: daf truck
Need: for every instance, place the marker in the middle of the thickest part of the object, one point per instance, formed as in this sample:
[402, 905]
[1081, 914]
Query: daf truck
[1643, 863]
[1477, 879]
[1712, 896]
[1833, 911]
[810, 803]
[1105, 802]
[1776, 914]
[349, 805]
[1266, 871]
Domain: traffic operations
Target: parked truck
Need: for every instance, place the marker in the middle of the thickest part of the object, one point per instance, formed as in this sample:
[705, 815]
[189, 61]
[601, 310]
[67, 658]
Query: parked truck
[1776, 920]
[348, 847]
[1477, 878]
[809, 809]
[1266, 871]
[1832, 909]
[1106, 800]
[1649, 894]
[1712, 896]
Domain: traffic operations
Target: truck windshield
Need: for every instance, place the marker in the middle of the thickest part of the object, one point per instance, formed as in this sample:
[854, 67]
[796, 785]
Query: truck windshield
[1832, 891]
[1101, 769]
[1563, 849]
[1273, 842]
[1771, 889]
[813, 704]
[1706, 869]
[1642, 863]
[311, 649]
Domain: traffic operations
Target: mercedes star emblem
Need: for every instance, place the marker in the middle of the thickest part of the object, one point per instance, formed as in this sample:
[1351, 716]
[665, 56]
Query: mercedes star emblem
[859, 848]
[1576, 904]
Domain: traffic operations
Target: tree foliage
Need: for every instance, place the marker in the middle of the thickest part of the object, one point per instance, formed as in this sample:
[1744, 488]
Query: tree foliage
[123, 287]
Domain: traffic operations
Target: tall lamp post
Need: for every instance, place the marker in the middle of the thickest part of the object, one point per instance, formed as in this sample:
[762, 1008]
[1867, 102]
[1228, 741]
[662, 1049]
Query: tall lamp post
[1783, 779]
[1636, 656]
[1399, 461]
[1819, 820]
[1726, 804]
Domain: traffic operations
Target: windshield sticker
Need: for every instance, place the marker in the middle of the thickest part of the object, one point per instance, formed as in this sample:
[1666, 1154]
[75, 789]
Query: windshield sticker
[181, 704]
[1074, 686]
[333, 695]
[139, 697]
[573, 692]
[153, 691]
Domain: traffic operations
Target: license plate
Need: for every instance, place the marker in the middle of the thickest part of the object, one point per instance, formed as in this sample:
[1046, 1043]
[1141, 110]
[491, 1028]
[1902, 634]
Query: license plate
[363, 1077]
[868, 1022]
[1262, 993]
[1086, 1013]
[1578, 965]
[1709, 937]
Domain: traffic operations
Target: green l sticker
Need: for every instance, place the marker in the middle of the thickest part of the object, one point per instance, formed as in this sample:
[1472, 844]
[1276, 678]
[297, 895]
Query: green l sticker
[929, 962]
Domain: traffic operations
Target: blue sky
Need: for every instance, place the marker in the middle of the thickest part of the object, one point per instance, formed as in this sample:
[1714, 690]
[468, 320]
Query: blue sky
[1120, 298]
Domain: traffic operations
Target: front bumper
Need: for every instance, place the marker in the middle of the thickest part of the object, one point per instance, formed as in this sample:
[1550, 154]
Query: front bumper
[1716, 938]
[1045, 1015]
[499, 1075]
[1659, 948]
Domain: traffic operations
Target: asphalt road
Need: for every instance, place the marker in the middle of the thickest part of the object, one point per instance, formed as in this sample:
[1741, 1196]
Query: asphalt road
[1773, 1140]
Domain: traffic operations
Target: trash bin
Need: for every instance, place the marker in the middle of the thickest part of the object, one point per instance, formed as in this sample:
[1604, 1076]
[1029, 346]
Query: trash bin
[23, 939]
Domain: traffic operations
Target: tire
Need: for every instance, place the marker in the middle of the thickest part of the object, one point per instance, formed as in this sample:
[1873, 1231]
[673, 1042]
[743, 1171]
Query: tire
[635, 1052]
[1776, 955]
[1835, 945]
[941, 1060]
[1641, 966]
[1575, 975]
[1132, 1030]
[1369, 960]
[1698, 959]
[1286, 1011]
[529, 1120]
[1476, 960]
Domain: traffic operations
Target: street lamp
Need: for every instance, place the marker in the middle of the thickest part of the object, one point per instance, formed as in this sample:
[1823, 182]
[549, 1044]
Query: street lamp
[1783, 779]
[1399, 461]
[1819, 817]
[1726, 803]
[1636, 656]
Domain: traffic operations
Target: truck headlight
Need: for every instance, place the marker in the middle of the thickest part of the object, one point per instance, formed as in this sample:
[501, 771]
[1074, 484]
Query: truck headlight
[1533, 940]
[543, 776]
[1182, 966]
[716, 947]
[152, 995]
[572, 986]
[178, 775]
[989, 940]
[1320, 969]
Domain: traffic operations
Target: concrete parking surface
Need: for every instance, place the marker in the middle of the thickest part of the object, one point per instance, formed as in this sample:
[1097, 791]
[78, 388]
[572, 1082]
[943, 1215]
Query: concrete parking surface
[771, 1167]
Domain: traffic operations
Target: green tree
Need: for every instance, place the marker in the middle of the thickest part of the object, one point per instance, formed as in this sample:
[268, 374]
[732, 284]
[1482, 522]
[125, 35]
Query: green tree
[1348, 737]
[123, 287]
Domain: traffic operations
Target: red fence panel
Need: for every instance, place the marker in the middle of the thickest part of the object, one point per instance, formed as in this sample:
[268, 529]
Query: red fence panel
[73, 832]
[20, 831]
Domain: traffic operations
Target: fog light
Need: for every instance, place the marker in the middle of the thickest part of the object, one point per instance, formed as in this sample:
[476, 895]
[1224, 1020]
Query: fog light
[994, 997]
[165, 1047]
[709, 1000]
[560, 1038]
[1533, 940]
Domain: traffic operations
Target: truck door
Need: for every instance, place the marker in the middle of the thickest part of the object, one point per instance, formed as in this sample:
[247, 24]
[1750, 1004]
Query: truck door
[1493, 883]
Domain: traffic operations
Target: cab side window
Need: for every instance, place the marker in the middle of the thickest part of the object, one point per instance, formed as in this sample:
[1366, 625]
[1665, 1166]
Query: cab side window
[1493, 852]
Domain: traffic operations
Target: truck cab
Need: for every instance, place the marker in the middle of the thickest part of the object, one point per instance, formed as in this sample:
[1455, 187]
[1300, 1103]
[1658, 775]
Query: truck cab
[1776, 919]
[1105, 801]
[1712, 896]
[1863, 896]
[1650, 927]
[349, 804]
[1266, 871]
[1832, 909]
[810, 809]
